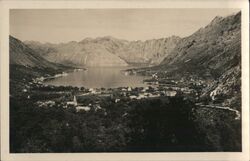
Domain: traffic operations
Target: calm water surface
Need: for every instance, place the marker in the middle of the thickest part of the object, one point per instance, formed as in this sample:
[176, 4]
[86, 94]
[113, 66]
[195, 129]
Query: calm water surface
[97, 77]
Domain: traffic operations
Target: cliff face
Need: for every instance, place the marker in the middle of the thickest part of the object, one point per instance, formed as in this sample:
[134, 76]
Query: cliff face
[134, 52]
[89, 54]
[106, 51]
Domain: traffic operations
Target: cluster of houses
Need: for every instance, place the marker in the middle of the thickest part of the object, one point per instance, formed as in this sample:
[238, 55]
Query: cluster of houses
[78, 70]
[130, 72]
[132, 93]
[45, 104]
[40, 80]
[116, 95]
[128, 92]
[80, 107]
[137, 93]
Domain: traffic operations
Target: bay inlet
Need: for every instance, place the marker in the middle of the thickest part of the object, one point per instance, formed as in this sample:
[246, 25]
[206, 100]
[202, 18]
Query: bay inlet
[100, 77]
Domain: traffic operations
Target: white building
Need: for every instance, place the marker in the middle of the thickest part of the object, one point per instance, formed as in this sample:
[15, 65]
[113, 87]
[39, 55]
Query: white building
[93, 91]
[155, 76]
[46, 104]
[73, 103]
[82, 108]
[117, 100]
[124, 89]
[132, 97]
[145, 89]
[170, 93]
[126, 73]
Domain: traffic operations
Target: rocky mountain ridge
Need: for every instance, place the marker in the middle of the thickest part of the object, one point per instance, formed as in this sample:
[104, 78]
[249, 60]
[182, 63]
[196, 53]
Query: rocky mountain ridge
[213, 53]
[21, 54]
[106, 51]
[26, 64]
[213, 49]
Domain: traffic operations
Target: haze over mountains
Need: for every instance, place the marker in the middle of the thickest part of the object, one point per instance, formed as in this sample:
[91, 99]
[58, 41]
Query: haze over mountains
[211, 51]
[106, 51]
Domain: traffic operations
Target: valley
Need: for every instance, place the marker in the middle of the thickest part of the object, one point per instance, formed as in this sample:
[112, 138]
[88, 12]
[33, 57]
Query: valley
[88, 119]
[184, 95]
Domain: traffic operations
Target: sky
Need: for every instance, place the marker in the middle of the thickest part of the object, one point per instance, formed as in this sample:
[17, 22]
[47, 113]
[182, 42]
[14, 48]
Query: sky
[64, 25]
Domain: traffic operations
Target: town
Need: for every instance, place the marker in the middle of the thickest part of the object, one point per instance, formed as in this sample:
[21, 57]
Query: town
[85, 99]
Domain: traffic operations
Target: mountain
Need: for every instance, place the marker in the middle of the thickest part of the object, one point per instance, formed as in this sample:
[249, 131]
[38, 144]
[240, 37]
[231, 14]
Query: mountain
[226, 89]
[82, 54]
[22, 55]
[26, 64]
[213, 53]
[106, 51]
[135, 52]
[211, 50]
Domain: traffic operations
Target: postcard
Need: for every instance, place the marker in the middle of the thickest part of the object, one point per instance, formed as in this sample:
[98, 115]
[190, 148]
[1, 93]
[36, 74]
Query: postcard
[124, 80]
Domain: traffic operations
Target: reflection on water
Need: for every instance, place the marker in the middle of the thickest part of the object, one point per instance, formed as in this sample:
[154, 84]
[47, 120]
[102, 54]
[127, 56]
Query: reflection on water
[97, 77]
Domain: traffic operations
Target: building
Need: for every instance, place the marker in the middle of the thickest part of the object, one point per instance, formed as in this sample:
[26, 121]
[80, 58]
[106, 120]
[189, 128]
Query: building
[82, 108]
[72, 103]
[46, 104]
[155, 76]
[126, 73]
[133, 97]
[141, 96]
[117, 100]
[145, 89]
[170, 93]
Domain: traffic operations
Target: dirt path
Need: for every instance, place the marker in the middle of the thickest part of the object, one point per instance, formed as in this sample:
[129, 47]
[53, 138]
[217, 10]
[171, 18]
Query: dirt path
[237, 113]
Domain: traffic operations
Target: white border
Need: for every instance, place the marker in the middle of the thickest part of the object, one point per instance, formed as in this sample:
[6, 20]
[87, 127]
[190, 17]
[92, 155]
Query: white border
[4, 10]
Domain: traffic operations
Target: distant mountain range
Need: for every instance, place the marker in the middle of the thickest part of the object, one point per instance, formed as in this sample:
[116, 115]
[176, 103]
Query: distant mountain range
[106, 51]
[212, 51]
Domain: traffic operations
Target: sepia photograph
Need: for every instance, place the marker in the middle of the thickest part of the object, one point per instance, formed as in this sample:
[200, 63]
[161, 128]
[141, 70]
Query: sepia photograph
[125, 80]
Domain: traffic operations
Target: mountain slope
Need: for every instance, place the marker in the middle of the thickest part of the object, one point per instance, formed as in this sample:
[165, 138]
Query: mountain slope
[89, 54]
[106, 51]
[26, 64]
[226, 89]
[211, 50]
[21, 54]
[212, 53]
[133, 52]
